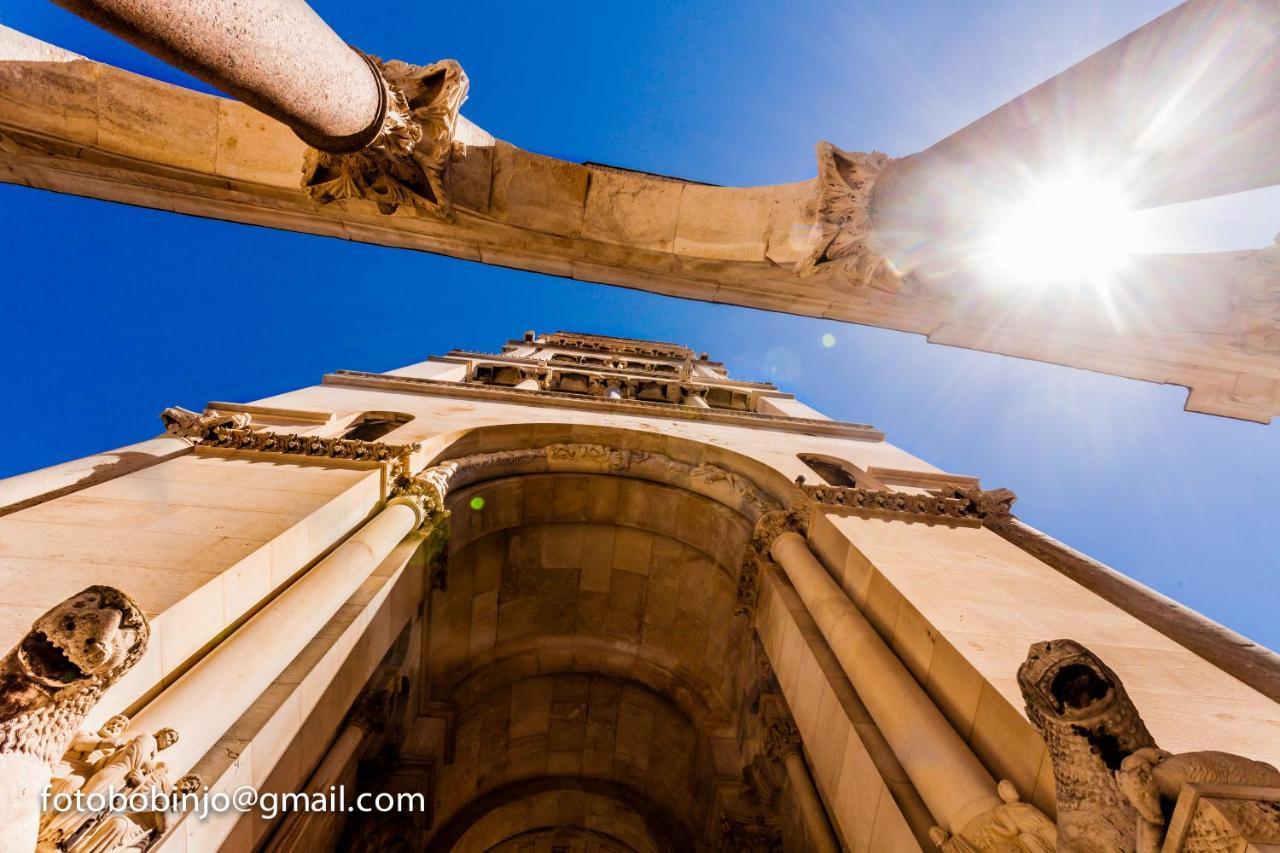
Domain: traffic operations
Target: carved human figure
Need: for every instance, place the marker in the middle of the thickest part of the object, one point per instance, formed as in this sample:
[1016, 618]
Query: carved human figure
[86, 752]
[134, 832]
[1114, 786]
[123, 771]
[1011, 827]
[48, 683]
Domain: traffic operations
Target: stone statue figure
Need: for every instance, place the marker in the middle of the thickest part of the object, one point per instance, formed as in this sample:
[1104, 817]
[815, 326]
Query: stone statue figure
[133, 832]
[1115, 788]
[54, 676]
[127, 769]
[86, 752]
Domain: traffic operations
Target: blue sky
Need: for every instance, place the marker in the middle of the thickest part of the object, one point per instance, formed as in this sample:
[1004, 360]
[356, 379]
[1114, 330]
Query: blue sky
[111, 313]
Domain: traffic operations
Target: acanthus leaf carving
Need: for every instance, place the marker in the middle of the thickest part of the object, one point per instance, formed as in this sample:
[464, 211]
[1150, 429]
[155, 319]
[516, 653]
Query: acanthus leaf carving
[782, 739]
[843, 238]
[406, 163]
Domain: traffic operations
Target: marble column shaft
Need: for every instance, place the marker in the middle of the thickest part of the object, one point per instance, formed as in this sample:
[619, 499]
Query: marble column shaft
[204, 703]
[950, 779]
[278, 56]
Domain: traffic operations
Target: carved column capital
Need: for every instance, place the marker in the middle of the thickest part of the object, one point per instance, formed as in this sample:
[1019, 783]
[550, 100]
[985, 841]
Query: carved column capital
[781, 740]
[842, 239]
[406, 162]
[372, 711]
[424, 493]
[771, 525]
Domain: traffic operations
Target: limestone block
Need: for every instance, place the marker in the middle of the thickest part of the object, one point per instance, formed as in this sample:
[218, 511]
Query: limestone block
[253, 147]
[58, 98]
[468, 179]
[724, 223]
[632, 209]
[537, 192]
[156, 122]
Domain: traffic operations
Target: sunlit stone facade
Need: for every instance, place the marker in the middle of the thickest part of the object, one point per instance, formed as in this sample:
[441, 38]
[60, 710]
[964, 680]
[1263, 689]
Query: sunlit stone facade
[596, 594]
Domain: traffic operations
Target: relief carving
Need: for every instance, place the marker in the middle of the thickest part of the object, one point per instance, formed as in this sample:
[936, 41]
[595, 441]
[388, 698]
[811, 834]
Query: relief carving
[782, 739]
[1114, 786]
[1256, 300]
[55, 676]
[843, 238]
[773, 524]
[951, 502]
[231, 431]
[131, 768]
[406, 163]
[426, 493]
[1011, 827]
[749, 834]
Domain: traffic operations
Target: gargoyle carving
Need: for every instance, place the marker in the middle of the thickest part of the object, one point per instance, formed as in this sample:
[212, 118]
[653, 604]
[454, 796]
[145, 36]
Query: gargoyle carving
[55, 675]
[843, 238]
[185, 423]
[1115, 788]
[406, 162]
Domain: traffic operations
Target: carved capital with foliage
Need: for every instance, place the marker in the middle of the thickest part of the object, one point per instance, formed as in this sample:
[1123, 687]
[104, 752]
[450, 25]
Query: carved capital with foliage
[406, 162]
[782, 739]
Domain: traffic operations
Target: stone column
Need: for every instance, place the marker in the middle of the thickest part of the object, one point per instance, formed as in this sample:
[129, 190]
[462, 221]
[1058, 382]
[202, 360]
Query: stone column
[277, 56]
[208, 698]
[305, 831]
[951, 780]
[782, 744]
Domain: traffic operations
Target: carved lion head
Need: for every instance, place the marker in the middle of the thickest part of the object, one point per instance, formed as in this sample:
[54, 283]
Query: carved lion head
[98, 633]
[1062, 680]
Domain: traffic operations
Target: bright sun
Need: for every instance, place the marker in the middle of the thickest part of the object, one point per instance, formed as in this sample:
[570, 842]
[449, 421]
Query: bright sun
[1065, 231]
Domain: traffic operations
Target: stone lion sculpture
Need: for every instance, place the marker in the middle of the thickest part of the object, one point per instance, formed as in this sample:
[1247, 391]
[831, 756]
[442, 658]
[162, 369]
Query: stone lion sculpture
[54, 676]
[1115, 787]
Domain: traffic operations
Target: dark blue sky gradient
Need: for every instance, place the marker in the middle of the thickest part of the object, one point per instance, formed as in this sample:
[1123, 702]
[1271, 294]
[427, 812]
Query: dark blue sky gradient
[109, 313]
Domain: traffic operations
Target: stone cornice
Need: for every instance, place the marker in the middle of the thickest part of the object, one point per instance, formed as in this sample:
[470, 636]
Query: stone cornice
[954, 505]
[559, 399]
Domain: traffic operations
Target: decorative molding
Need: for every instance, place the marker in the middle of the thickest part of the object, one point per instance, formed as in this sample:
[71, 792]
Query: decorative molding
[710, 480]
[48, 683]
[406, 162]
[781, 740]
[952, 504]
[1114, 786]
[1212, 818]
[666, 411]
[843, 239]
[230, 431]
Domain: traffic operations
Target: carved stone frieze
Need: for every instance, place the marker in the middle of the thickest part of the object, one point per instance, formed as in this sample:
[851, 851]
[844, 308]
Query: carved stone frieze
[704, 477]
[406, 163]
[748, 592]
[1114, 786]
[1212, 818]
[1256, 301]
[843, 239]
[55, 676]
[951, 503]
[185, 423]
[231, 431]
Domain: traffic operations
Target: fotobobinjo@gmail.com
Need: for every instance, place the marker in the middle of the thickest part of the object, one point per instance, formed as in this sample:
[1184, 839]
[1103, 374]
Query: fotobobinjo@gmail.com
[202, 802]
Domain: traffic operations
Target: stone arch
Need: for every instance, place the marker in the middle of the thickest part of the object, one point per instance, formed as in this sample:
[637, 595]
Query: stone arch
[588, 564]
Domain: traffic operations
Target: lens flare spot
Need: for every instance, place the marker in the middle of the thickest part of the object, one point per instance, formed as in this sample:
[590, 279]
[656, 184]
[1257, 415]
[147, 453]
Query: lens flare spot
[1067, 230]
[828, 340]
[477, 503]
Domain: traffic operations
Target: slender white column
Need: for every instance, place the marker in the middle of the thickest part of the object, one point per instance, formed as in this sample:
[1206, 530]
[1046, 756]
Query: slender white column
[951, 780]
[212, 695]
